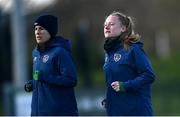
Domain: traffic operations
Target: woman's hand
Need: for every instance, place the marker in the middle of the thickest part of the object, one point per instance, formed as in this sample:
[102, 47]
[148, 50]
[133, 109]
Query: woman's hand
[28, 86]
[103, 103]
[116, 86]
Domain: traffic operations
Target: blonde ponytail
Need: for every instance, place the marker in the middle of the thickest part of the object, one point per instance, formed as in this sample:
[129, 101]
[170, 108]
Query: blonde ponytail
[128, 36]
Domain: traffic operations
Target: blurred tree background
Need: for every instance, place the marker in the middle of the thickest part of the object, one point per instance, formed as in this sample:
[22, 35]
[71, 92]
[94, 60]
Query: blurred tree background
[157, 21]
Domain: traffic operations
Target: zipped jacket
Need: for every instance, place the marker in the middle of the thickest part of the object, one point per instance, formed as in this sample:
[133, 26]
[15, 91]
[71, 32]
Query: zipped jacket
[133, 70]
[55, 77]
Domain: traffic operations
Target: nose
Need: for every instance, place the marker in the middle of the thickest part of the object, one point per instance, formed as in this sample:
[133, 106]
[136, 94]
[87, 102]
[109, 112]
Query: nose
[106, 26]
[37, 31]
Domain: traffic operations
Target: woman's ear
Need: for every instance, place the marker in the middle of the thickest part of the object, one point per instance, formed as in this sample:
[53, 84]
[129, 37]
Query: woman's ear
[123, 28]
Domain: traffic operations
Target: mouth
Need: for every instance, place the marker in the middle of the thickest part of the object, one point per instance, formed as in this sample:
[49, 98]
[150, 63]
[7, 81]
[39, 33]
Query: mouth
[107, 31]
[38, 37]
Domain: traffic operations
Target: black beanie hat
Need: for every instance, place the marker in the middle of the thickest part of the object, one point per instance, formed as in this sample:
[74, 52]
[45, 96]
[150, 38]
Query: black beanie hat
[49, 22]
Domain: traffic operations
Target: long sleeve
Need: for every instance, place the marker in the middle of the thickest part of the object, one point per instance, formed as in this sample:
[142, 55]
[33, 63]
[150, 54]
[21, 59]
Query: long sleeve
[144, 69]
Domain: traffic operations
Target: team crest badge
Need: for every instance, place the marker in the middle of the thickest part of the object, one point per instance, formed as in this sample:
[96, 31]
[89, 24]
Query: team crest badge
[45, 58]
[117, 57]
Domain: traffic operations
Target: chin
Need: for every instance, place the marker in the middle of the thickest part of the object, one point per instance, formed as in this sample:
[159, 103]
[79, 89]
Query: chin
[39, 42]
[108, 36]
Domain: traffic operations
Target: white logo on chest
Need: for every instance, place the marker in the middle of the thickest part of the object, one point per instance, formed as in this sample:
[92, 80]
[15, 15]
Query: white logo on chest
[34, 59]
[117, 57]
[45, 58]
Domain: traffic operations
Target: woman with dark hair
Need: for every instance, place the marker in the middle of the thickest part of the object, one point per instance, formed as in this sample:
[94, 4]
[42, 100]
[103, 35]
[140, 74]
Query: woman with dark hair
[54, 72]
[128, 71]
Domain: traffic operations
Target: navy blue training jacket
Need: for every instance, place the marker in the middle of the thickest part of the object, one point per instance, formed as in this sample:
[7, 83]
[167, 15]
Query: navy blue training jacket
[134, 70]
[53, 93]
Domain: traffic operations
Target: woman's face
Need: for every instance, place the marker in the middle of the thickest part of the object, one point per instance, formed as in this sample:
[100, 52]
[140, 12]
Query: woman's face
[113, 27]
[41, 34]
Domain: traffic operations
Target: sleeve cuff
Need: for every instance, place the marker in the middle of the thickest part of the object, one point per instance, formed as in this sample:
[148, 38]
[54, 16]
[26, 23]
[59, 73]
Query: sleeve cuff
[122, 88]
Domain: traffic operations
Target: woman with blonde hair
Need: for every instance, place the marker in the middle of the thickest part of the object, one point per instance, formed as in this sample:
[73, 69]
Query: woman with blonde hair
[128, 71]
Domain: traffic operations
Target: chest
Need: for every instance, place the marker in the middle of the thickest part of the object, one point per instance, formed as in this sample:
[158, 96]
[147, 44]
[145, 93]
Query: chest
[119, 61]
[44, 61]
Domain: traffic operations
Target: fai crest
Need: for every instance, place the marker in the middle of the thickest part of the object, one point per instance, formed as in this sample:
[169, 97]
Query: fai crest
[45, 58]
[117, 57]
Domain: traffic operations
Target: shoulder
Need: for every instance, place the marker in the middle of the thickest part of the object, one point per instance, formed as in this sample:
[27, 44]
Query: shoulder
[136, 46]
[62, 44]
[138, 52]
[60, 51]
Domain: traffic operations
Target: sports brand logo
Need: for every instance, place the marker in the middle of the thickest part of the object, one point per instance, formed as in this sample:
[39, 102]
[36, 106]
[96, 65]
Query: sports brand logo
[34, 59]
